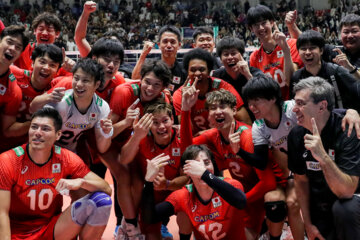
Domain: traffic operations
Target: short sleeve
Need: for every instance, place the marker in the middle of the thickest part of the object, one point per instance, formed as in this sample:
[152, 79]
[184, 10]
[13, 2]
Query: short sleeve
[177, 98]
[6, 171]
[257, 135]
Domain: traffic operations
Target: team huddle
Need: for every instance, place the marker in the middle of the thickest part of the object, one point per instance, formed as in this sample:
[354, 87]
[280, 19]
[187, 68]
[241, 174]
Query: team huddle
[285, 125]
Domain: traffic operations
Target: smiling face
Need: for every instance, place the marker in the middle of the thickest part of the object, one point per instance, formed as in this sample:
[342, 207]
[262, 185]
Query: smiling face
[84, 85]
[305, 108]
[10, 49]
[205, 159]
[205, 41]
[261, 107]
[44, 69]
[310, 55]
[221, 115]
[42, 133]
[230, 57]
[161, 128]
[198, 69]
[350, 37]
[263, 30]
[45, 33]
[150, 87]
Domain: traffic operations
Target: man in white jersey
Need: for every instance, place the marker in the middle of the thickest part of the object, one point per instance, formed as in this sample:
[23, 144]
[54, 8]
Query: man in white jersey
[80, 108]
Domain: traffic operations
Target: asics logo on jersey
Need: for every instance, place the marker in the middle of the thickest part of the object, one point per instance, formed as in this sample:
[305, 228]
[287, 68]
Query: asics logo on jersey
[77, 126]
[305, 154]
[24, 170]
[193, 209]
[44, 181]
[207, 217]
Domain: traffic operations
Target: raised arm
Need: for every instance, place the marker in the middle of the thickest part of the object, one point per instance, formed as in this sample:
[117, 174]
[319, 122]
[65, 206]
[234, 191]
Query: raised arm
[5, 197]
[39, 101]
[290, 21]
[81, 29]
[146, 50]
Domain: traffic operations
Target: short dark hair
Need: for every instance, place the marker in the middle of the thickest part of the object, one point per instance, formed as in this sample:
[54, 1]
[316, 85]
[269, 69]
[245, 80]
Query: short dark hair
[349, 20]
[172, 29]
[228, 43]
[157, 106]
[91, 67]
[201, 54]
[48, 19]
[16, 31]
[262, 87]
[221, 96]
[259, 13]
[52, 113]
[107, 46]
[53, 51]
[192, 151]
[310, 37]
[159, 68]
[110, 34]
[202, 30]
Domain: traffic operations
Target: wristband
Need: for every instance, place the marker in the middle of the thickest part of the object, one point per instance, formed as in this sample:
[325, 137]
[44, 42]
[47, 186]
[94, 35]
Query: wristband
[354, 70]
[107, 135]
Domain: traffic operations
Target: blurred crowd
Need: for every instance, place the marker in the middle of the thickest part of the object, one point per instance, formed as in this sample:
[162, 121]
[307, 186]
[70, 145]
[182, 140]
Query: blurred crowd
[139, 21]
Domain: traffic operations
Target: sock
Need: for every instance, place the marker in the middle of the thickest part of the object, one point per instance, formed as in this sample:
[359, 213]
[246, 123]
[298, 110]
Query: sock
[275, 238]
[132, 221]
[185, 236]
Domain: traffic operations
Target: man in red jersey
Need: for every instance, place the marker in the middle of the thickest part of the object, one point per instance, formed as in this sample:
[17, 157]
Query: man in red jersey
[47, 27]
[212, 204]
[33, 177]
[199, 63]
[12, 43]
[277, 56]
[47, 60]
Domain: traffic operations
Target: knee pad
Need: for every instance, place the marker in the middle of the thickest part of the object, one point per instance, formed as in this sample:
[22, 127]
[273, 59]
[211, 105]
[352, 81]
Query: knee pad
[276, 211]
[81, 210]
[101, 211]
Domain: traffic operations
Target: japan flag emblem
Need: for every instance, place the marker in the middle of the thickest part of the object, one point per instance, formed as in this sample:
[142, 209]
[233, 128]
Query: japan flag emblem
[92, 117]
[332, 154]
[2, 89]
[56, 168]
[176, 152]
[216, 202]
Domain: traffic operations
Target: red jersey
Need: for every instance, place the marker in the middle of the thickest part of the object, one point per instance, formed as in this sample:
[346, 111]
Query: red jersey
[25, 61]
[272, 64]
[199, 114]
[212, 221]
[10, 94]
[34, 199]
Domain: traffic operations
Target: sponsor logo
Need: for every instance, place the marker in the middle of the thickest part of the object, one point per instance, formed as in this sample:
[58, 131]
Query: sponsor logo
[193, 209]
[77, 126]
[24, 170]
[305, 154]
[43, 181]
[207, 217]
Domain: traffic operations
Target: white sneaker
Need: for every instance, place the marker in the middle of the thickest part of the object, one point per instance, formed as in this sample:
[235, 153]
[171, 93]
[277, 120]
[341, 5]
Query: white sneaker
[133, 232]
[120, 233]
[286, 232]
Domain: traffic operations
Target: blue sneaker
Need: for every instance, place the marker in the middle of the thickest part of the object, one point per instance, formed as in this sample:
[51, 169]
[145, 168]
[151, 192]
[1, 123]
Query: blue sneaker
[165, 233]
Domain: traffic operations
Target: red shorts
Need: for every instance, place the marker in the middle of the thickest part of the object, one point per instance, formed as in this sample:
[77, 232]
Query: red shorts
[45, 232]
[254, 214]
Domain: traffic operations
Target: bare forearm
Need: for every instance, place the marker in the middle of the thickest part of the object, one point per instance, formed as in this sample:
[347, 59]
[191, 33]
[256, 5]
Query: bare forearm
[136, 71]
[80, 35]
[302, 191]
[38, 102]
[129, 150]
[5, 231]
[294, 31]
[341, 184]
[94, 185]
[17, 129]
[288, 66]
[119, 127]
[178, 183]
[102, 143]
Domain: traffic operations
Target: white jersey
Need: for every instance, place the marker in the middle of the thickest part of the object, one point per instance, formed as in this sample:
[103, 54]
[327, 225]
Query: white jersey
[74, 122]
[275, 137]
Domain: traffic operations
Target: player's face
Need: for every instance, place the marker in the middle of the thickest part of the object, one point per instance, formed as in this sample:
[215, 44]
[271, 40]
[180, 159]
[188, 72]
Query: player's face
[305, 108]
[198, 69]
[205, 159]
[150, 87]
[110, 65]
[45, 33]
[161, 128]
[44, 69]
[221, 115]
[261, 107]
[10, 49]
[42, 133]
[263, 30]
[310, 55]
[84, 84]
[169, 44]
[205, 41]
[230, 57]
[350, 37]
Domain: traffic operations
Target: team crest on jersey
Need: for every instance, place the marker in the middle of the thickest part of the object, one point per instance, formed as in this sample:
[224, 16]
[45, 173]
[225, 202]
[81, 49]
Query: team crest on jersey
[216, 202]
[280, 54]
[56, 168]
[2, 89]
[176, 80]
[314, 166]
[92, 116]
[332, 154]
[176, 152]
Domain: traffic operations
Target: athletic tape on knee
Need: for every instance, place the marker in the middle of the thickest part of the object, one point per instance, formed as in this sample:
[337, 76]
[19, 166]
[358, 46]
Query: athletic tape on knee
[276, 211]
[102, 207]
[81, 210]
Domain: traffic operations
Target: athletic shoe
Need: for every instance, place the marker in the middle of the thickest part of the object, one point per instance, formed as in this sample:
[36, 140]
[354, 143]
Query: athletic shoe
[264, 236]
[120, 233]
[165, 233]
[286, 232]
[132, 232]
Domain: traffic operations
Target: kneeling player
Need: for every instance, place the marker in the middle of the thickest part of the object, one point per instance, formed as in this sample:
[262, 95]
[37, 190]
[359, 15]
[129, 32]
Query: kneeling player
[33, 176]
